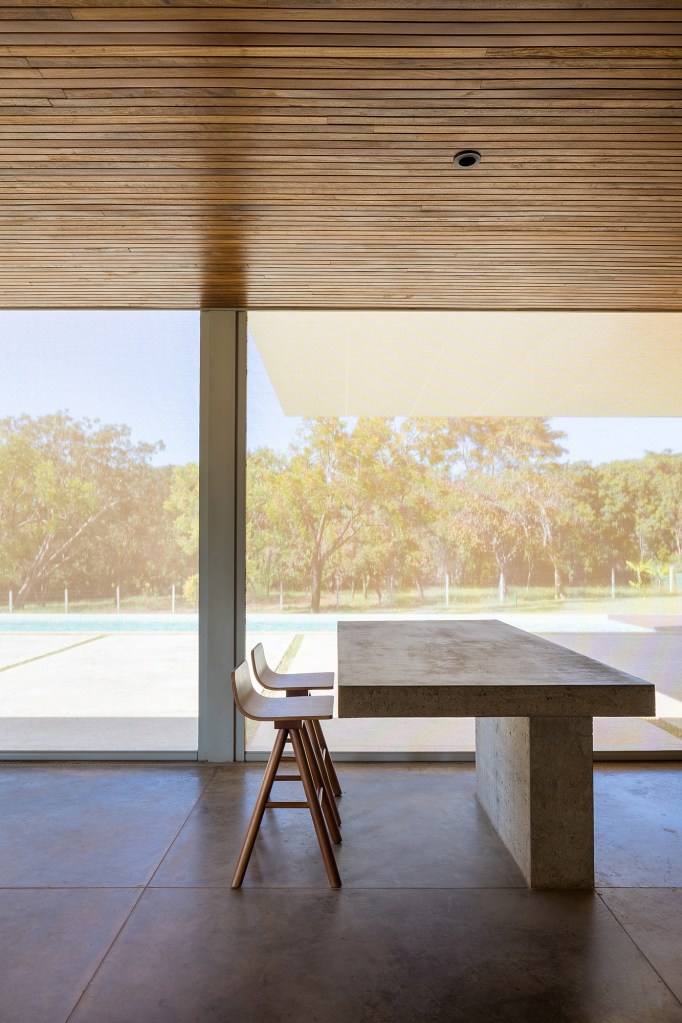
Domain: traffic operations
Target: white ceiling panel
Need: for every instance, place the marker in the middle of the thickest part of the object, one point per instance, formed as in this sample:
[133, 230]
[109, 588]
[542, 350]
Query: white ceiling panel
[325, 363]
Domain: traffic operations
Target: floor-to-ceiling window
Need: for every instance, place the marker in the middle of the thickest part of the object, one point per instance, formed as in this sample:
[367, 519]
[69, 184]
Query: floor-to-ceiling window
[99, 437]
[383, 479]
[508, 466]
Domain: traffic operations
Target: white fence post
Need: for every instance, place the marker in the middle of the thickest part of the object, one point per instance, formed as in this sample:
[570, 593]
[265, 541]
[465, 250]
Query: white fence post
[613, 582]
[11, 602]
[66, 600]
[173, 599]
[118, 600]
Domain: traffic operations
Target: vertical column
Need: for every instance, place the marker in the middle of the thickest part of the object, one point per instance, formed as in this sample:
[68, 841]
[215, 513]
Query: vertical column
[222, 454]
[534, 780]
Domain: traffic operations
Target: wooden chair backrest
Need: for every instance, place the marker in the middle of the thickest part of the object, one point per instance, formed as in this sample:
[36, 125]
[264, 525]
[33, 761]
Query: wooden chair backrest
[258, 657]
[245, 696]
[264, 672]
[254, 705]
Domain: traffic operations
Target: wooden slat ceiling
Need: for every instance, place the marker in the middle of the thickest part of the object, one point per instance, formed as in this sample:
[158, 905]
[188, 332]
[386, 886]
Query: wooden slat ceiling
[298, 154]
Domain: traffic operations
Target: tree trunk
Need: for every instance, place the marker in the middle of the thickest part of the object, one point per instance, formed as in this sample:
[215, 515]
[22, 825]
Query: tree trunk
[315, 586]
[32, 581]
[558, 584]
[420, 589]
[366, 579]
[352, 588]
[502, 586]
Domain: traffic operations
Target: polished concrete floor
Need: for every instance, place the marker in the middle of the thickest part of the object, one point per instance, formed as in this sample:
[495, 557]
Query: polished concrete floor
[116, 907]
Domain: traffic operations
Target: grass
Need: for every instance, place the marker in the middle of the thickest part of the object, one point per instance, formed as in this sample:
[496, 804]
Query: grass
[140, 604]
[475, 600]
[463, 600]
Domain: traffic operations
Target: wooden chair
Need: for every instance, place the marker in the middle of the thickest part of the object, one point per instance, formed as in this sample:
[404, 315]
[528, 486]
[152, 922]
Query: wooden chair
[290, 717]
[300, 684]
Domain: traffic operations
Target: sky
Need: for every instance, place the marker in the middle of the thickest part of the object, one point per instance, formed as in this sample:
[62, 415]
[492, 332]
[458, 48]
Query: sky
[137, 368]
[142, 369]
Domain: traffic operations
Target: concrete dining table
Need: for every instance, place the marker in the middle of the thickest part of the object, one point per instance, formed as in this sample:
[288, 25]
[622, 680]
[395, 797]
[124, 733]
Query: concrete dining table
[533, 701]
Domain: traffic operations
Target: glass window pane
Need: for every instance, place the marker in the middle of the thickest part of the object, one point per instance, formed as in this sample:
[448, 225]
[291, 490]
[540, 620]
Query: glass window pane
[374, 490]
[99, 423]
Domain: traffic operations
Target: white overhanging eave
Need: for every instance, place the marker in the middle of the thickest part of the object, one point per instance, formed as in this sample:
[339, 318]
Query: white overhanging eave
[340, 363]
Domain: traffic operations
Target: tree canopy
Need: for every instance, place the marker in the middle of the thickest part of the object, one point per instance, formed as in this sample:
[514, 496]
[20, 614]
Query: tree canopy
[371, 504]
[384, 502]
[79, 501]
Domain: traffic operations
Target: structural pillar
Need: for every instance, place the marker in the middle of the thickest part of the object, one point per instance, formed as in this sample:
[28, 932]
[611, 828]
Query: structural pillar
[534, 780]
[222, 472]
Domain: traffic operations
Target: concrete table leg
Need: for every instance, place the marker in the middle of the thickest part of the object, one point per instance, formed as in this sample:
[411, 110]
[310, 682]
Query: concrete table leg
[534, 780]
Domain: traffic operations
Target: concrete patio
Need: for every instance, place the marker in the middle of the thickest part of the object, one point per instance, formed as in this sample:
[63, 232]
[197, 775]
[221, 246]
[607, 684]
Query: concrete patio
[137, 691]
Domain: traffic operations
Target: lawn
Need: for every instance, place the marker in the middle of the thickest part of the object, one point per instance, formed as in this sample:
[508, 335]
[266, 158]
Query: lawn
[479, 600]
[462, 600]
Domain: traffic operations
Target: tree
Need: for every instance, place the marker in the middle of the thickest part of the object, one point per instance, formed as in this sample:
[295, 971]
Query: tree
[398, 510]
[63, 484]
[182, 505]
[304, 509]
[274, 544]
[488, 519]
[136, 548]
[483, 460]
[328, 490]
[380, 501]
[641, 569]
[660, 505]
[557, 515]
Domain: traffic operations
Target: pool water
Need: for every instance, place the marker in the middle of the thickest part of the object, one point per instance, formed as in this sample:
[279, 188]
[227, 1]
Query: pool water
[307, 623]
[98, 623]
[75, 622]
[184, 623]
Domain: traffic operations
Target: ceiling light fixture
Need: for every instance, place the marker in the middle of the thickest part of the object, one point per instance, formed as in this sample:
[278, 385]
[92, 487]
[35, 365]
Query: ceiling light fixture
[467, 158]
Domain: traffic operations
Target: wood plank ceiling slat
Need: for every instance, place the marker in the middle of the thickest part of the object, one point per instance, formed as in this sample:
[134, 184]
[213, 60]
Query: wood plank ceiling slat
[300, 154]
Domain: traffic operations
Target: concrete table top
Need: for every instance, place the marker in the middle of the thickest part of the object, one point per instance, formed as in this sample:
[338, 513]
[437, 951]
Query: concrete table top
[475, 669]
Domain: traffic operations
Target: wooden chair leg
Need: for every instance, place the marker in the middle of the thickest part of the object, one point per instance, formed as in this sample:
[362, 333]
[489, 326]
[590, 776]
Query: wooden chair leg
[327, 757]
[319, 781]
[315, 811]
[259, 808]
[322, 770]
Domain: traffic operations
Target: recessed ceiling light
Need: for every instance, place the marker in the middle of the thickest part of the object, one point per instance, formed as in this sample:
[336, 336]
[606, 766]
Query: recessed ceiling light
[467, 158]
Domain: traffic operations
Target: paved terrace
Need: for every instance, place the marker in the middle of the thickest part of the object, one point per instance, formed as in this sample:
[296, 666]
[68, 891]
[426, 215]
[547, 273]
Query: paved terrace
[137, 690]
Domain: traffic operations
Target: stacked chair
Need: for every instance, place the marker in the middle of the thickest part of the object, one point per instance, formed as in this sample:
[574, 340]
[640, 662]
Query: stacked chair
[296, 716]
[300, 684]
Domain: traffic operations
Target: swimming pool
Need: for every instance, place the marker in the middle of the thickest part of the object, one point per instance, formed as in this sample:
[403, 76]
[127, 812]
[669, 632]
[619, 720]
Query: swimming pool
[98, 623]
[184, 623]
[307, 623]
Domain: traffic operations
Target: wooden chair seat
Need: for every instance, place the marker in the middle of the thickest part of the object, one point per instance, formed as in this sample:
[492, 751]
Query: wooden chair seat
[283, 708]
[299, 684]
[289, 681]
[293, 718]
